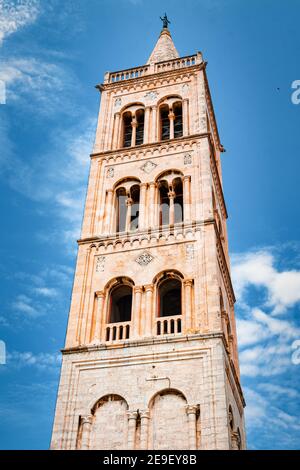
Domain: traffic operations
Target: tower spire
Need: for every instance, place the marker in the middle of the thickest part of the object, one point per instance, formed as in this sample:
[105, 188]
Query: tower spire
[164, 48]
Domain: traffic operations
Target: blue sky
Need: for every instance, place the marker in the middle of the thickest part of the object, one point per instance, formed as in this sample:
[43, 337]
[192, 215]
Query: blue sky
[51, 56]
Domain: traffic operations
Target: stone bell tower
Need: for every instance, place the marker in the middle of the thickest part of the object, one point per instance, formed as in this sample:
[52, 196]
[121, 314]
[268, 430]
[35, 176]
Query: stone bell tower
[150, 360]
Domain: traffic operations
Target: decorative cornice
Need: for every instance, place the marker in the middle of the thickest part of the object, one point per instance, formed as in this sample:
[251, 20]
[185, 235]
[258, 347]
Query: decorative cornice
[150, 77]
[144, 147]
[142, 342]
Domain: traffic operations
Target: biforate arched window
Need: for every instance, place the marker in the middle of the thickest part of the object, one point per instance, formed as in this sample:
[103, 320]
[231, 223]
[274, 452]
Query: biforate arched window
[133, 126]
[171, 206]
[170, 118]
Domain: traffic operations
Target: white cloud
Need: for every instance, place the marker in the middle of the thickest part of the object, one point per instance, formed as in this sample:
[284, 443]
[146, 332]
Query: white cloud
[16, 14]
[41, 361]
[46, 291]
[25, 304]
[43, 87]
[276, 391]
[258, 269]
[262, 415]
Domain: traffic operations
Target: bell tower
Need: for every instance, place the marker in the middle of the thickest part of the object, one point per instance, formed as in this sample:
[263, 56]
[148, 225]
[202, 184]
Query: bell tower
[150, 360]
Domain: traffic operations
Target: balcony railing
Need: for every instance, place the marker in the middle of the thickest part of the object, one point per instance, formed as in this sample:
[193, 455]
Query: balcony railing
[117, 331]
[164, 66]
[175, 64]
[168, 325]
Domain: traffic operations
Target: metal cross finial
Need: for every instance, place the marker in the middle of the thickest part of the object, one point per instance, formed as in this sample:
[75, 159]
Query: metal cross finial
[165, 21]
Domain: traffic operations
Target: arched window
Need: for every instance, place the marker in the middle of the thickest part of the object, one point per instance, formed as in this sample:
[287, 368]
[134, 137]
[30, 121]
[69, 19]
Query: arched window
[178, 127]
[164, 122]
[169, 297]
[120, 304]
[170, 189]
[133, 126]
[170, 118]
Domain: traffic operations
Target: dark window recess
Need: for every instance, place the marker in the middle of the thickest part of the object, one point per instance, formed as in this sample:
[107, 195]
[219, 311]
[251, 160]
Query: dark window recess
[178, 130]
[164, 204]
[170, 298]
[164, 122]
[127, 130]
[178, 201]
[121, 210]
[139, 140]
[120, 304]
[135, 195]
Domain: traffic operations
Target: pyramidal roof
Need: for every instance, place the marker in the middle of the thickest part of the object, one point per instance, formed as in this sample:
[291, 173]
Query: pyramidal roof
[164, 48]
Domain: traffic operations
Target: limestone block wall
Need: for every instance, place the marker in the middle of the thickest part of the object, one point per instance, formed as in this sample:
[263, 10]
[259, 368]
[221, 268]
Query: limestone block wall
[125, 396]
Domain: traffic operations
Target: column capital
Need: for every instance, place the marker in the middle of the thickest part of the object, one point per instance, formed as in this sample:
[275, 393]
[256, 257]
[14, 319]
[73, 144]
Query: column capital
[191, 409]
[86, 419]
[143, 185]
[138, 289]
[149, 287]
[129, 201]
[171, 116]
[118, 113]
[109, 191]
[100, 294]
[171, 194]
[185, 100]
[132, 415]
[188, 282]
[152, 184]
[186, 178]
[154, 106]
[145, 414]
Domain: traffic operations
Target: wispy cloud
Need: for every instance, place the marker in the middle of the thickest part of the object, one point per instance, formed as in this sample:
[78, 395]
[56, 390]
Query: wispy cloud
[15, 14]
[41, 361]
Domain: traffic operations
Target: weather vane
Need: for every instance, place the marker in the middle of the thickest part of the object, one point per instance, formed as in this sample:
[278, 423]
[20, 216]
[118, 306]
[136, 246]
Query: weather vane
[165, 21]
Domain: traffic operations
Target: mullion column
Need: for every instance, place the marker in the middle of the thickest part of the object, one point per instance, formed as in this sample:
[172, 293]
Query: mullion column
[171, 195]
[134, 125]
[128, 214]
[171, 117]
